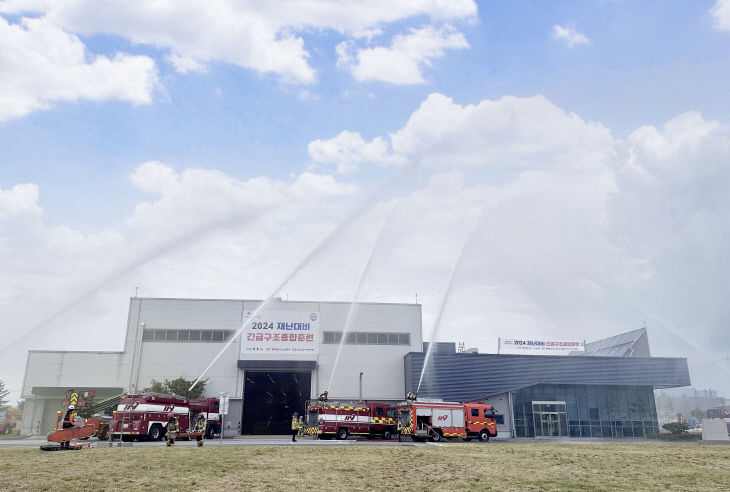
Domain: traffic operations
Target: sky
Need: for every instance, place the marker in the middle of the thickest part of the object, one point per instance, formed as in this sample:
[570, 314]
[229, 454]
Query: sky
[519, 168]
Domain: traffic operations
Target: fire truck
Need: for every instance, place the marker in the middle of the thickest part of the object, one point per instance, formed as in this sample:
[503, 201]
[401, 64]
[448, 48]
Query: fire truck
[350, 418]
[434, 420]
[144, 416]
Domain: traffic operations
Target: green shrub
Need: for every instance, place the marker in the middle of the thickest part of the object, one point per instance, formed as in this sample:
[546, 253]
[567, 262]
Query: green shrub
[676, 427]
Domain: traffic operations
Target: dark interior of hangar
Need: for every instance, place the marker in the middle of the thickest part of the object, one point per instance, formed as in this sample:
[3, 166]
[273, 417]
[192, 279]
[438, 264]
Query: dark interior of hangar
[270, 398]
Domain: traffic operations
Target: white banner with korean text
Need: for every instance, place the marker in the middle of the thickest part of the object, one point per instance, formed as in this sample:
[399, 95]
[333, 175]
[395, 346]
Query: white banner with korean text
[527, 346]
[281, 332]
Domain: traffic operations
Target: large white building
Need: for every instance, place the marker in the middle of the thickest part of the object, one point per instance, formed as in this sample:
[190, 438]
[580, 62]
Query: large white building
[286, 355]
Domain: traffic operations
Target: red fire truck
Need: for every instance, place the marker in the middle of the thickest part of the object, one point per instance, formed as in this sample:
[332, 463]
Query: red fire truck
[423, 419]
[144, 416]
[344, 418]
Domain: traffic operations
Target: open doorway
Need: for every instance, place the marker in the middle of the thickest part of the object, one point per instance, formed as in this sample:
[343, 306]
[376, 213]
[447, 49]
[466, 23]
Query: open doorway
[270, 398]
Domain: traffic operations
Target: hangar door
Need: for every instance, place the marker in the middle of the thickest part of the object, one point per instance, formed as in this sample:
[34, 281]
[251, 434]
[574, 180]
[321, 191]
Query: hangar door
[271, 395]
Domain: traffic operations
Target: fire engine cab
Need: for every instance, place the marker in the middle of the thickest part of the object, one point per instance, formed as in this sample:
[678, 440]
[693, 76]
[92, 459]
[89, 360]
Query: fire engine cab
[434, 420]
[144, 416]
[345, 418]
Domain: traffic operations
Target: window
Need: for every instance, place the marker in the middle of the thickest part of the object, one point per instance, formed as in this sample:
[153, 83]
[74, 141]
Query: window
[186, 335]
[475, 412]
[499, 419]
[379, 412]
[366, 338]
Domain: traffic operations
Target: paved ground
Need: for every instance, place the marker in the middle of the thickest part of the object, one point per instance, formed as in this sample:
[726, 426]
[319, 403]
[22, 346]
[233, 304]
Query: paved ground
[309, 441]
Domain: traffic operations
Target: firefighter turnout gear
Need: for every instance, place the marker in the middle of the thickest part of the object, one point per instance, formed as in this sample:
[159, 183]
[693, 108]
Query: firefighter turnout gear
[68, 419]
[294, 427]
[172, 430]
[200, 427]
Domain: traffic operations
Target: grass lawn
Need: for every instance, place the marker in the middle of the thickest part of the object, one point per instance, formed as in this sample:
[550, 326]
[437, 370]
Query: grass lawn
[449, 467]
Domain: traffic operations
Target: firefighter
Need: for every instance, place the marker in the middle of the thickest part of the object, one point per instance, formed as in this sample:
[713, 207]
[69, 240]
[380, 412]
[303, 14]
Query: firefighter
[411, 396]
[399, 429]
[301, 426]
[322, 397]
[68, 423]
[68, 419]
[172, 429]
[200, 427]
[294, 427]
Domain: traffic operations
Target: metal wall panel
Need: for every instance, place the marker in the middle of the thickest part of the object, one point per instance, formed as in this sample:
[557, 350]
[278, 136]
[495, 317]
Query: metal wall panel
[465, 377]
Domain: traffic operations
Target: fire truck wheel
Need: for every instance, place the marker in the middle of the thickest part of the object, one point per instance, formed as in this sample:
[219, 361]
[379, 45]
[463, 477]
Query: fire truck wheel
[483, 435]
[435, 436]
[155, 433]
[387, 435]
[342, 434]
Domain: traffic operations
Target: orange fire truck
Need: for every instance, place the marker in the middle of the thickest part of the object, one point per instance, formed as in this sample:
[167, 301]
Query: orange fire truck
[434, 420]
[345, 418]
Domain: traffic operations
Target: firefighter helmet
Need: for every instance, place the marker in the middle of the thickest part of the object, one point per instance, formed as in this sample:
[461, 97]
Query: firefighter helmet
[170, 415]
[72, 407]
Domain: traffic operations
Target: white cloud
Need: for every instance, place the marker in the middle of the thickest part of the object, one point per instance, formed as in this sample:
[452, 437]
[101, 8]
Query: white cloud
[19, 201]
[348, 149]
[510, 133]
[259, 36]
[204, 196]
[569, 35]
[403, 61]
[184, 64]
[40, 64]
[721, 15]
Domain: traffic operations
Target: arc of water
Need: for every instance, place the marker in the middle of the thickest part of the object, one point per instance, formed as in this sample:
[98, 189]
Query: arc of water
[674, 332]
[154, 251]
[447, 294]
[319, 248]
[356, 295]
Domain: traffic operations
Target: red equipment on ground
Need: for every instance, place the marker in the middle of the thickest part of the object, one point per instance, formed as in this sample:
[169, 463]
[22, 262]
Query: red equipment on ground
[435, 420]
[345, 418]
[144, 416]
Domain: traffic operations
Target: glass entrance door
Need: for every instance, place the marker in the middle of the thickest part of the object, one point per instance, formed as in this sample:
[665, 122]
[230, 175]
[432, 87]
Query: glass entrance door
[550, 423]
[550, 418]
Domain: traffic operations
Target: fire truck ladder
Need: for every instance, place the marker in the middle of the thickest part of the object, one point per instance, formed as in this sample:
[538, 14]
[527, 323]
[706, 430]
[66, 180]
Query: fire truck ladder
[102, 405]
